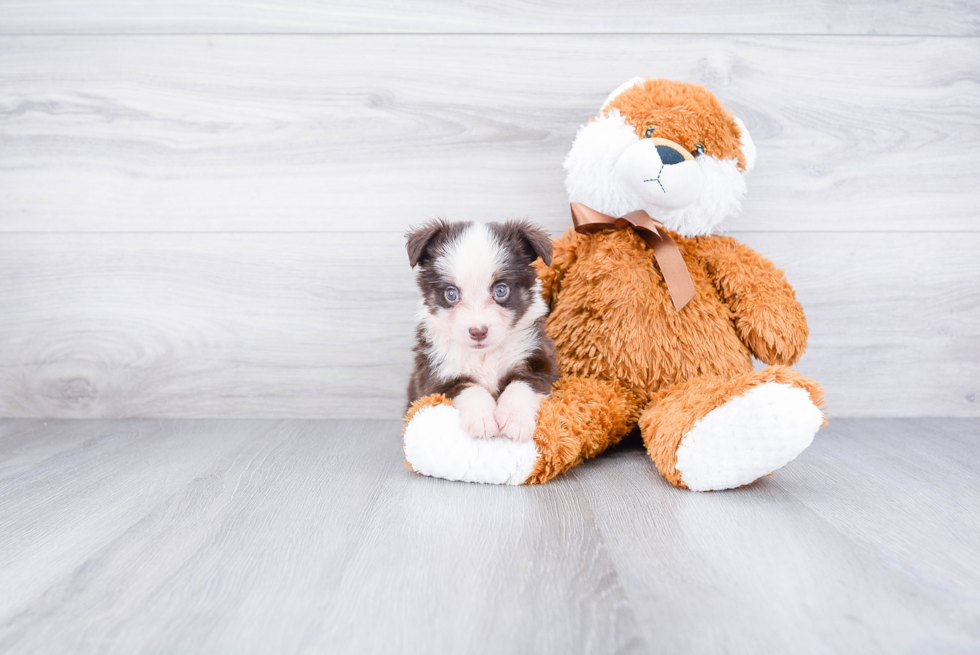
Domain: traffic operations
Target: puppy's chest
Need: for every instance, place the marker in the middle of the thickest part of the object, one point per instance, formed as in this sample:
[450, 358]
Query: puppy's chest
[487, 370]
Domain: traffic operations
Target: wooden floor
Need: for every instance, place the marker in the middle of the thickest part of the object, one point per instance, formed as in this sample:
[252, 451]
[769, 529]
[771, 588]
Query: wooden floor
[311, 536]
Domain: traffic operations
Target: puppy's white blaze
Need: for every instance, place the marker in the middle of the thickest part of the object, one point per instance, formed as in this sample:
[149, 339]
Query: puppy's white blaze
[592, 179]
[471, 262]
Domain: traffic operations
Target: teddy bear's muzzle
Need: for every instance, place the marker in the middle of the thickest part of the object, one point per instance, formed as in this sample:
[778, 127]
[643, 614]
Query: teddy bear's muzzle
[661, 173]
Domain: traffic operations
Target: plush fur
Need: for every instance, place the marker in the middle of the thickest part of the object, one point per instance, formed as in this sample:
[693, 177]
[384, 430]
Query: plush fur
[436, 445]
[727, 154]
[627, 358]
[480, 338]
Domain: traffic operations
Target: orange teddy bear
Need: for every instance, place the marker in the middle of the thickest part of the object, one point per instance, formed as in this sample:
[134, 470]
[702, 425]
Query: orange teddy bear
[654, 318]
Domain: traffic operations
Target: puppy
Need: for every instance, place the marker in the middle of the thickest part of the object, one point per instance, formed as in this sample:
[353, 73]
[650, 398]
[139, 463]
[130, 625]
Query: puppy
[480, 339]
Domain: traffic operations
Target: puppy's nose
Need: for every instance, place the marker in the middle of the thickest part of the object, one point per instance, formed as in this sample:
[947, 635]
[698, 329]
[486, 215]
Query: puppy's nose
[479, 333]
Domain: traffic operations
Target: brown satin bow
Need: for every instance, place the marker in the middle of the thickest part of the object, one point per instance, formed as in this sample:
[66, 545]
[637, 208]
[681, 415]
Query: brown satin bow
[666, 252]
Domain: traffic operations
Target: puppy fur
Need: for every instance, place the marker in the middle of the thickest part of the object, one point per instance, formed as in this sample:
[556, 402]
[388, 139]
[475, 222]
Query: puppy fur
[480, 340]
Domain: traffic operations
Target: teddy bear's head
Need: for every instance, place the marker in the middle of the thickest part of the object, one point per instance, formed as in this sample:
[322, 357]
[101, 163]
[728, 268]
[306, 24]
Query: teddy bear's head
[669, 148]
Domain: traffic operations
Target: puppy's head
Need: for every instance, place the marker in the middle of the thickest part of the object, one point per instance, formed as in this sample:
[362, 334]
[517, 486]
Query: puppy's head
[476, 279]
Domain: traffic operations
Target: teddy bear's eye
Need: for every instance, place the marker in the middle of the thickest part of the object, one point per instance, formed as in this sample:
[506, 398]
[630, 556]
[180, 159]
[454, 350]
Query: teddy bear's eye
[651, 130]
[698, 150]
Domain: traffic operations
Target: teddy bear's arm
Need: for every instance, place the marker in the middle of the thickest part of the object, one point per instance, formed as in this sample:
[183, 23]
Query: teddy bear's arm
[565, 248]
[768, 318]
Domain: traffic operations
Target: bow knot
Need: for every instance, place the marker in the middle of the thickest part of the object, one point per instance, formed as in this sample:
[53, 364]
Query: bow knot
[665, 250]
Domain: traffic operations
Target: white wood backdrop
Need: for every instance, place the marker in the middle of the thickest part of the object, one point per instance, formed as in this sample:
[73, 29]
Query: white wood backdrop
[202, 203]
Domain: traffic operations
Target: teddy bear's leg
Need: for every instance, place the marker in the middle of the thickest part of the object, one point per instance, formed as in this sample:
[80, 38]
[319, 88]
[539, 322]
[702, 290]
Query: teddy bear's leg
[436, 445]
[713, 433]
[581, 418]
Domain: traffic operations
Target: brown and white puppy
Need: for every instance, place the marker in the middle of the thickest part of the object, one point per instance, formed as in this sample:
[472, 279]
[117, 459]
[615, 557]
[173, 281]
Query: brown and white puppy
[480, 339]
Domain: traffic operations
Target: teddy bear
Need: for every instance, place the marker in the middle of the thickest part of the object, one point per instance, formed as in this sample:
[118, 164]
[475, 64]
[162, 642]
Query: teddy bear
[655, 317]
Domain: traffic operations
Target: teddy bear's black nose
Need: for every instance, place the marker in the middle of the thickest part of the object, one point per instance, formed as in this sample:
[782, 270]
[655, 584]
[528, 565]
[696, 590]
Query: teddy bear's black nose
[669, 156]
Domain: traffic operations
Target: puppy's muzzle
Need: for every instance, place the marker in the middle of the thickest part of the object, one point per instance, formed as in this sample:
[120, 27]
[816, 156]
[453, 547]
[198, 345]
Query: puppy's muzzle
[479, 333]
[661, 172]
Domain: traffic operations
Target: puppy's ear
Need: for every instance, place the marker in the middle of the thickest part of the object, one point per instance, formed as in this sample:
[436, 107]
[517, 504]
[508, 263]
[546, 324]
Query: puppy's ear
[419, 240]
[532, 238]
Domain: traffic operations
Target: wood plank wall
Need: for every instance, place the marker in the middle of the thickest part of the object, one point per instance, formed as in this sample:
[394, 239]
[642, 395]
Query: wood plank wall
[202, 203]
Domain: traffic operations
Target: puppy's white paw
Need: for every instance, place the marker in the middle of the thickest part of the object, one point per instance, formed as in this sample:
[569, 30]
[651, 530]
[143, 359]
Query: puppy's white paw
[515, 425]
[476, 413]
[478, 425]
[517, 411]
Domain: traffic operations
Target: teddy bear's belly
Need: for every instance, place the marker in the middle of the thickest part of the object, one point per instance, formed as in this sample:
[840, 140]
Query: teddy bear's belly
[617, 321]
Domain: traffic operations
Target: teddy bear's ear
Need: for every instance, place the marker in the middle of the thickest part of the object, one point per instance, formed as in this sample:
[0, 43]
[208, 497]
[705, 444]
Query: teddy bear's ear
[535, 241]
[419, 240]
[748, 146]
[629, 84]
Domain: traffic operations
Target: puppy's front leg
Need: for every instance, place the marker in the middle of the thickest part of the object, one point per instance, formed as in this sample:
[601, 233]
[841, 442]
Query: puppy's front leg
[476, 407]
[517, 411]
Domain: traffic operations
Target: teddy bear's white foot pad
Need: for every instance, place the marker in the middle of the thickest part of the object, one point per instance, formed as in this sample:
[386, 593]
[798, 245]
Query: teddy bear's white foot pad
[435, 445]
[748, 437]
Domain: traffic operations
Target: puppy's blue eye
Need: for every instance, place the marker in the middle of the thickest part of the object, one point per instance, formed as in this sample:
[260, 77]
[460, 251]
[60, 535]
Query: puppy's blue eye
[452, 294]
[500, 291]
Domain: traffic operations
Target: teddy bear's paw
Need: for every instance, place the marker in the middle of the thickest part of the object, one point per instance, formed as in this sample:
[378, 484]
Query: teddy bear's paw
[748, 437]
[436, 445]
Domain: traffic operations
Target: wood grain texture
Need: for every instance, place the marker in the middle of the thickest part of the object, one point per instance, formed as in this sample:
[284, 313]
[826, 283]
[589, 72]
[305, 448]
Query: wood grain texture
[893, 495]
[829, 555]
[320, 325]
[537, 577]
[98, 485]
[936, 17]
[311, 536]
[251, 530]
[201, 202]
[344, 133]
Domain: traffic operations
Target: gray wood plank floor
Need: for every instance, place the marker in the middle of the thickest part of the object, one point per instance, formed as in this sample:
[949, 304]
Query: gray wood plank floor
[311, 536]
